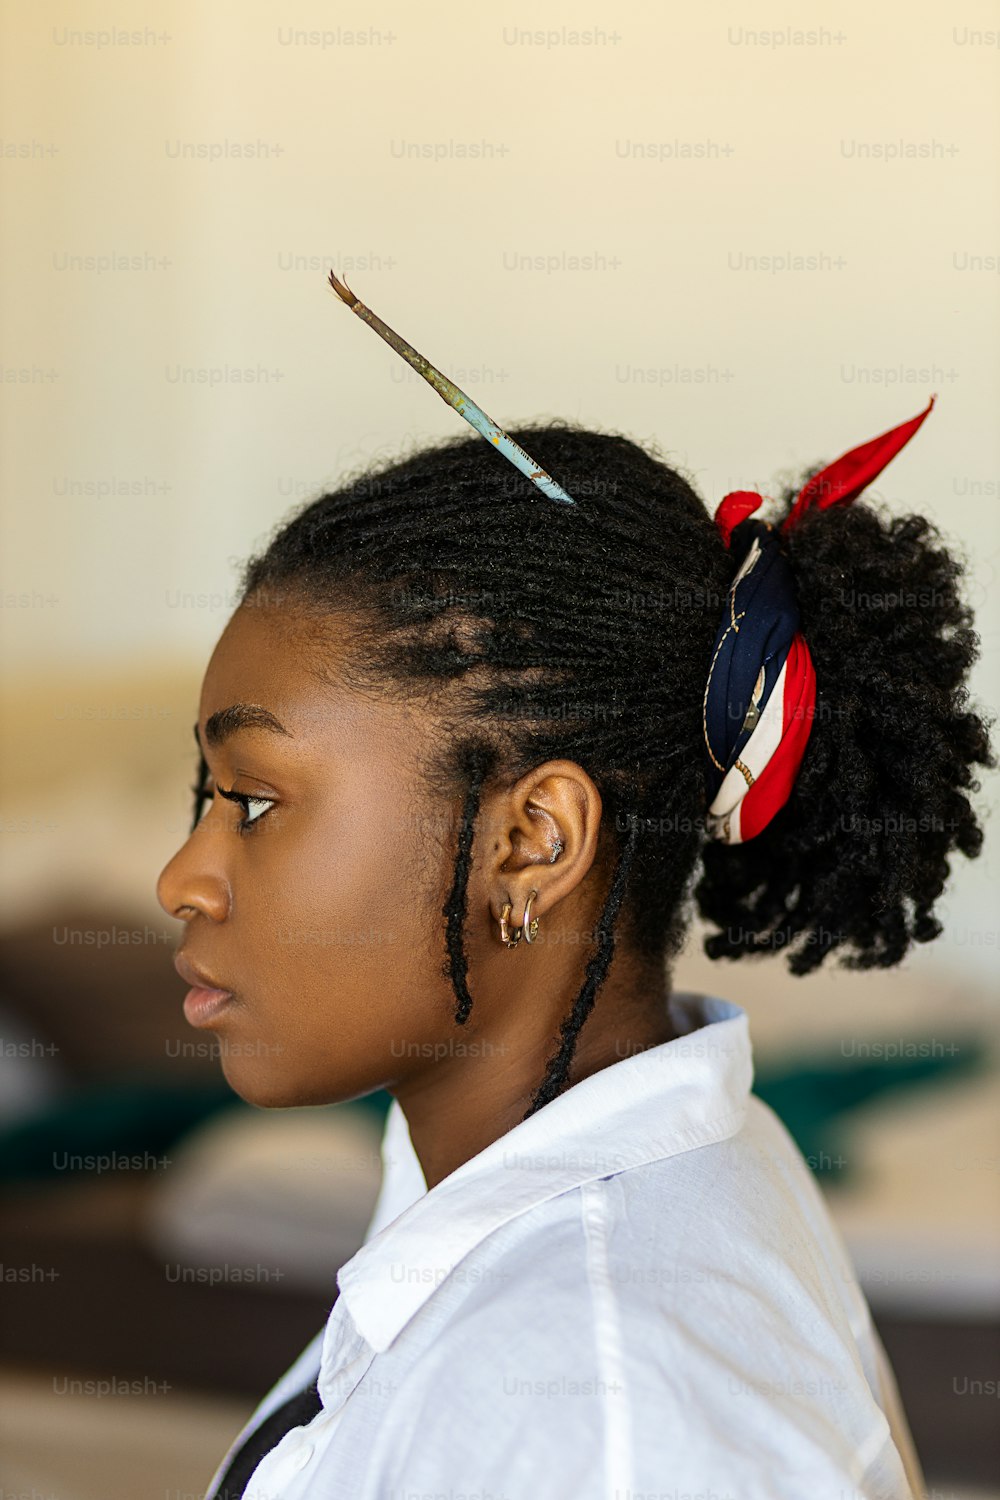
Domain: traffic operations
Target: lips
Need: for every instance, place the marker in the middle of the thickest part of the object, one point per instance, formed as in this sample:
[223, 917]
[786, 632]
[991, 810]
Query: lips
[197, 976]
[206, 999]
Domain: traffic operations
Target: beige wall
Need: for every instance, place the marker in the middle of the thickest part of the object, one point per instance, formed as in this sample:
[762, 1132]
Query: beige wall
[674, 148]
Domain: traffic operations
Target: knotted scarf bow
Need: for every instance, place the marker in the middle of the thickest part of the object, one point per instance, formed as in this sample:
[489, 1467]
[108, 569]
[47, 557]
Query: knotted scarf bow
[760, 697]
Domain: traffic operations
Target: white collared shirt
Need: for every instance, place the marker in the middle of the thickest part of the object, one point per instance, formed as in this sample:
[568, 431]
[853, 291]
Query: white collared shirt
[637, 1292]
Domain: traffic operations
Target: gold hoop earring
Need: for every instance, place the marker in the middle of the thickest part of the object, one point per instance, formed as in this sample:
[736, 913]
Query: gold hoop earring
[508, 938]
[529, 925]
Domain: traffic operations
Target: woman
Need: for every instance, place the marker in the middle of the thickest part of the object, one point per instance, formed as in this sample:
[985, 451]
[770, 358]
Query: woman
[463, 761]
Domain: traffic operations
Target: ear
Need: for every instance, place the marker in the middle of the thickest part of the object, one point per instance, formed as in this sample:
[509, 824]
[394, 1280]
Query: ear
[554, 810]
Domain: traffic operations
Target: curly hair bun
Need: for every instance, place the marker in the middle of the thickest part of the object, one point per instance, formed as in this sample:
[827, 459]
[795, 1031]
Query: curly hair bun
[859, 855]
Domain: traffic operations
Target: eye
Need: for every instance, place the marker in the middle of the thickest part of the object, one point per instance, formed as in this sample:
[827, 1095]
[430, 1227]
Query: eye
[254, 808]
[260, 806]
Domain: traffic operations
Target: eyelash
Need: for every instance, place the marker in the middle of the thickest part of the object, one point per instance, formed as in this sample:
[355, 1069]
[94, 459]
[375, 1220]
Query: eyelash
[243, 799]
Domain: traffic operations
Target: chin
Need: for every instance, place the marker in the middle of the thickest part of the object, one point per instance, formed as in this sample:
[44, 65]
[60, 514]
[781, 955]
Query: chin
[259, 1085]
[267, 1087]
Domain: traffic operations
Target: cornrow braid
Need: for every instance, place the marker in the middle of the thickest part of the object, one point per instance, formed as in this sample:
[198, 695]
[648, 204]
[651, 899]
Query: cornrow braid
[542, 631]
[455, 908]
[557, 1071]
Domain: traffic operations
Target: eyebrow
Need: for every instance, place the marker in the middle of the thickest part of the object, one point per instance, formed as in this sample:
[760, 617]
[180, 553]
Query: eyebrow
[229, 721]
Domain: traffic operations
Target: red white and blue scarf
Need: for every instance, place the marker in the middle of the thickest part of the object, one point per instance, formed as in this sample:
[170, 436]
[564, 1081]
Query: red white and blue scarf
[760, 697]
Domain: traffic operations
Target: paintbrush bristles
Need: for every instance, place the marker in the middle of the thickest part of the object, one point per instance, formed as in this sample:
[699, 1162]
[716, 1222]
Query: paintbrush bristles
[343, 291]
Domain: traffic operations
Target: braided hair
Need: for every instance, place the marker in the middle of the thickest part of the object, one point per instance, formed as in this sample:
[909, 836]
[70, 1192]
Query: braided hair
[584, 632]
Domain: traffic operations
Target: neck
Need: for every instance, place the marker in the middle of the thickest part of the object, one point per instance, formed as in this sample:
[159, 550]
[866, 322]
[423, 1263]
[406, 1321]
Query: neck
[462, 1104]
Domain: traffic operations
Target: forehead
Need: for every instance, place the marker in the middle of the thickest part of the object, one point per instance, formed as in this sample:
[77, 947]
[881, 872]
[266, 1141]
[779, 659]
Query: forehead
[267, 657]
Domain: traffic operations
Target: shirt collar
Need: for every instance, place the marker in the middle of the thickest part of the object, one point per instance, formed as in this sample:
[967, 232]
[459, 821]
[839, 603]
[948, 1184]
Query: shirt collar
[685, 1093]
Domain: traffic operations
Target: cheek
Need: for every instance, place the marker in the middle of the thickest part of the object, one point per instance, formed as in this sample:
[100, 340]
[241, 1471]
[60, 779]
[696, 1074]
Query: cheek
[348, 915]
[358, 870]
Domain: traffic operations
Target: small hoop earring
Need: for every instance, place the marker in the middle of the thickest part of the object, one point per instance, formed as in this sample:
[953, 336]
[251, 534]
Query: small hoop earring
[508, 938]
[529, 925]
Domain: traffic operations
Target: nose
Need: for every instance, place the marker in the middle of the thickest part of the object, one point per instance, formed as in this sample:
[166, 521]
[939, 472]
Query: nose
[189, 884]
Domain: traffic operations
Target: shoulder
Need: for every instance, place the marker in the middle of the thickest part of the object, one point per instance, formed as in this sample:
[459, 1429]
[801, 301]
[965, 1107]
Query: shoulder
[740, 1224]
[691, 1321]
[731, 1251]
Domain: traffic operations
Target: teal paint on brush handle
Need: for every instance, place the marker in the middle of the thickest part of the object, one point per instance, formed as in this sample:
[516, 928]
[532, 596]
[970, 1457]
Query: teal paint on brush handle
[449, 392]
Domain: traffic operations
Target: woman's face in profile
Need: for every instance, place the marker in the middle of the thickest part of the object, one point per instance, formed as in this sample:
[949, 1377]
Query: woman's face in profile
[322, 916]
